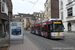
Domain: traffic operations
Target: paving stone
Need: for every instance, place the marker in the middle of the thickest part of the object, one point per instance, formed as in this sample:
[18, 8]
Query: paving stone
[27, 45]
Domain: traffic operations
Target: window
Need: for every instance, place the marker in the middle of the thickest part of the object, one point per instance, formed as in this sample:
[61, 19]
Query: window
[0, 30]
[61, 4]
[1, 0]
[3, 7]
[20, 19]
[39, 18]
[51, 28]
[21, 15]
[62, 15]
[42, 28]
[69, 1]
[69, 11]
[37, 15]
[0, 26]
[45, 28]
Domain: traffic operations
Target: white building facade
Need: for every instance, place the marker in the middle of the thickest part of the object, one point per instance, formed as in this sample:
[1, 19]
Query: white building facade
[67, 14]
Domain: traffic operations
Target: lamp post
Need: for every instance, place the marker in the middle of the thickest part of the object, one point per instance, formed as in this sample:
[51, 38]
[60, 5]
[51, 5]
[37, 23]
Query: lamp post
[9, 28]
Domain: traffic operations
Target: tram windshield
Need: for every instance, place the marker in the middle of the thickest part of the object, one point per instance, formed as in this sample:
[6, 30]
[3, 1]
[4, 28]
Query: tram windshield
[58, 27]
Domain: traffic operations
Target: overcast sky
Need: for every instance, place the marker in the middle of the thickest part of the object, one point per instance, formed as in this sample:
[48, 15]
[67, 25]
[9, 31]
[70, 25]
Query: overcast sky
[26, 6]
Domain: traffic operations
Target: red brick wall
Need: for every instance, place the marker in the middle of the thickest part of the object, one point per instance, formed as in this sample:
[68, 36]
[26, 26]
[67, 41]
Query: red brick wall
[41, 19]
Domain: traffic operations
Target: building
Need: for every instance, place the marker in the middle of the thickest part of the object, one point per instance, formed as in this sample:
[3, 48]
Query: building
[5, 15]
[27, 20]
[67, 14]
[51, 9]
[39, 16]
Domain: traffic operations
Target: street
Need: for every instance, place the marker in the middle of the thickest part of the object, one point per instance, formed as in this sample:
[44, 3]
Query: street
[47, 44]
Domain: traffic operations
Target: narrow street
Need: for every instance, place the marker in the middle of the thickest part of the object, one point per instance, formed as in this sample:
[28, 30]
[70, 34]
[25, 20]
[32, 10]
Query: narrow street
[47, 44]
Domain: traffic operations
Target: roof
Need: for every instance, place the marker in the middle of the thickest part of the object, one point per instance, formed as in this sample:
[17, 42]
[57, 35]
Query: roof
[26, 15]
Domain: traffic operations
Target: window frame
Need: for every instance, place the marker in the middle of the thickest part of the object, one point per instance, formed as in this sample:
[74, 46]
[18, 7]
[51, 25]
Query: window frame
[70, 12]
[61, 15]
[45, 28]
[2, 7]
[61, 5]
[69, 1]
[1, 0]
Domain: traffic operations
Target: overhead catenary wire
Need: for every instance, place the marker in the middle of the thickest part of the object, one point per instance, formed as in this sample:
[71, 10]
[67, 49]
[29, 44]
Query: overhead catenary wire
[34, 4]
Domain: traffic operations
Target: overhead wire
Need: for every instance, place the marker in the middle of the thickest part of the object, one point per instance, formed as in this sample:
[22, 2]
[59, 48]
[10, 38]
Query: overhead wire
[34, 5]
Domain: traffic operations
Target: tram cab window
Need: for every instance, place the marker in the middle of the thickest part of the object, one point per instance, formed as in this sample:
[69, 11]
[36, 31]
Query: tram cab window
[16, 31]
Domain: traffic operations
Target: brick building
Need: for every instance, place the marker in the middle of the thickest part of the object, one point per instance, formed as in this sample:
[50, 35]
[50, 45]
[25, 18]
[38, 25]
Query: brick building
[39, 16]
[27, 20]
[5, 13]
[51, 9]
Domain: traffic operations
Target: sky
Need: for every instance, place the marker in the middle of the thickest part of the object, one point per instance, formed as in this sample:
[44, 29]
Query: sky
[27, 6]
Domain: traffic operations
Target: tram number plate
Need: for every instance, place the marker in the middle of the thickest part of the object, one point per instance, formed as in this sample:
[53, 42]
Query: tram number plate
[58, 34]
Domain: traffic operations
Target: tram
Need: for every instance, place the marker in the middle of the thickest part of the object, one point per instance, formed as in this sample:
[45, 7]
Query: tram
[49, 28]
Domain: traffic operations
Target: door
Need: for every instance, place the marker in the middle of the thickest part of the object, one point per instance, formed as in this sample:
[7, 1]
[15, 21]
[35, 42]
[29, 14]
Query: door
[69, 26]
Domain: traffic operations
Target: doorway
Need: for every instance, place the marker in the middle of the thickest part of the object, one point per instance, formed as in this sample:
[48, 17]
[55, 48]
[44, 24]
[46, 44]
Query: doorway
[69, 26]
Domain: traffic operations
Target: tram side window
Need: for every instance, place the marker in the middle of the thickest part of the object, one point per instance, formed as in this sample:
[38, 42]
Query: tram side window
[45, 28]
[42, 28]
[51, 27]
[32, 28]
[39, 28]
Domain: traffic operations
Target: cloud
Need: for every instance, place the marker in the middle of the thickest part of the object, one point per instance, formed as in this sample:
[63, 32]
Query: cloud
[24, 6]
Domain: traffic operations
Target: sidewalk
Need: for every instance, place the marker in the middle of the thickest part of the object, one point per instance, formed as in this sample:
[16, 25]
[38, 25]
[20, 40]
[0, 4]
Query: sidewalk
[69, 34]
[27, 45]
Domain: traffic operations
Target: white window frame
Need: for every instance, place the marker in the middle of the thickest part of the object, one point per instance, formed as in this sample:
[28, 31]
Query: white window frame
[61, 4]
[4, 7]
